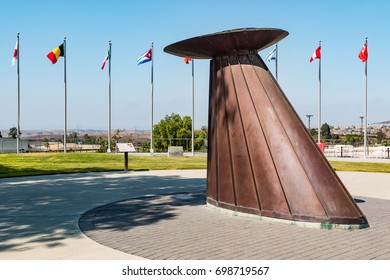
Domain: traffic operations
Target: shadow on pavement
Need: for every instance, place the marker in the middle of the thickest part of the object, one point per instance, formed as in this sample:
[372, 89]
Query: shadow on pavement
[46, 209]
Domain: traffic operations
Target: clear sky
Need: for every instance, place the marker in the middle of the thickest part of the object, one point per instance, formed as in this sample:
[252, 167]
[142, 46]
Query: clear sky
[341, 25]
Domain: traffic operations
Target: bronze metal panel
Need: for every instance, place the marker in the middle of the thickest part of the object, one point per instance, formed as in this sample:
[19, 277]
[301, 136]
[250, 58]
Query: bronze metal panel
[261, 159]
[335, 200]
[225, 187]
[301, 198]
[263, 168]
[241, 164]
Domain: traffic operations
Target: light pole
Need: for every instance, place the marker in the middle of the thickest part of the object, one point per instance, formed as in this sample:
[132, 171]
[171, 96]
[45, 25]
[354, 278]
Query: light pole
[308, 117]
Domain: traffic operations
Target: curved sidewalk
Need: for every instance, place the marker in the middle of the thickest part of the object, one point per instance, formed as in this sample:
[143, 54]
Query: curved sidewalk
[39, 215]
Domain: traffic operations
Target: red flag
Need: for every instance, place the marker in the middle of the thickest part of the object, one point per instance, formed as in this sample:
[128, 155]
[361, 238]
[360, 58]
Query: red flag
[363, 55]
[316, 54]
[15, 57]
[187, 60]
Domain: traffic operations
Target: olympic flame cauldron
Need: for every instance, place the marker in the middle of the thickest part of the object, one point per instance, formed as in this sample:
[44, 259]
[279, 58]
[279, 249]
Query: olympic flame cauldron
[261, 158]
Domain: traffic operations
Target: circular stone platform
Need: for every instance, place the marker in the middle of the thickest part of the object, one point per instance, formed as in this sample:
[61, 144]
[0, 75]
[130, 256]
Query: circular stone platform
[180, 226]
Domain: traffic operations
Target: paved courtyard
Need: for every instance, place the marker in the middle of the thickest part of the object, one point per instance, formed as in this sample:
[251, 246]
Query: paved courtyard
[180, 226]
[162, 215]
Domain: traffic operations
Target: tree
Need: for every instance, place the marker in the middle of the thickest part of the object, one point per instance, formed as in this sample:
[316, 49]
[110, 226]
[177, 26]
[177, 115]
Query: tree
[47, 144]
[204, 129]
[13, 132]
[87, 139]
[325, 131]
[102, 143]
[73, 137]
[380, 136]
[171, 131]
[200, 137]
[116, 138]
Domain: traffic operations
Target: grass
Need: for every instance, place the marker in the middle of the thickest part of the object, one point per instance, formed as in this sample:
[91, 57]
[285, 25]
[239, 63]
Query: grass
[14, 165]
[361, 166]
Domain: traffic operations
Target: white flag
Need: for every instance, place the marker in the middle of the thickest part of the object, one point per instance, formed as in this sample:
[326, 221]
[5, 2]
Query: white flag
[271, 55]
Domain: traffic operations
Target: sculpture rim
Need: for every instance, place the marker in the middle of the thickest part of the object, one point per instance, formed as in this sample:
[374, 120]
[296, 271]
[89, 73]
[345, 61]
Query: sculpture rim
[210, 46]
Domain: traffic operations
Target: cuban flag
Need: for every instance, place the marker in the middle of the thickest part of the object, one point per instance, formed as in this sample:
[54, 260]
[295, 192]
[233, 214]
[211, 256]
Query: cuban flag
[271, 55]
[146, 57]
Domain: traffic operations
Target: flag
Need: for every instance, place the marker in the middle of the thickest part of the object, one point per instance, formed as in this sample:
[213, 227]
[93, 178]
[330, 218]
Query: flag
[15, 57]
[271, 55]
[56, 53]
[146, 57]
[108, 56]
[187, 60]
[316, 54]
[363, 55]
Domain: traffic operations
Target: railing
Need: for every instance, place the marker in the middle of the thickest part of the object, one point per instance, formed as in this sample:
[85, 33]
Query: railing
[8, 145]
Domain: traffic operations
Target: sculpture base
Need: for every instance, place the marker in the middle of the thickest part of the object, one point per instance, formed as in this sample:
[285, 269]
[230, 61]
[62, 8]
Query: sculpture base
[305, 224]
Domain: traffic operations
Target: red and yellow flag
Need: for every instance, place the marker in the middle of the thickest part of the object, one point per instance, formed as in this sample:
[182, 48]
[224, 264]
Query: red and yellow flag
[56, 53]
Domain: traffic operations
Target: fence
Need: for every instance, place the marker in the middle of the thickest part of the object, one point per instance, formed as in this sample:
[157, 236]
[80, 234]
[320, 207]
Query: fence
[8, 145]
[357, 152]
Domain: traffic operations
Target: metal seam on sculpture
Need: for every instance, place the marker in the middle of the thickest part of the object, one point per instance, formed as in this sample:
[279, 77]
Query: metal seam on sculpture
[228, 131]
[213, 92]
[214, 134]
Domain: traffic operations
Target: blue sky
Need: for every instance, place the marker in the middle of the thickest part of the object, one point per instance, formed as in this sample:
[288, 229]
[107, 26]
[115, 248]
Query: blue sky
[133, 25]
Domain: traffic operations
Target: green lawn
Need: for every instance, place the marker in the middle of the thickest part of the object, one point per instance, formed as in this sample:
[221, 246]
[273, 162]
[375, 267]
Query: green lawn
[361, 166]
[13, 165]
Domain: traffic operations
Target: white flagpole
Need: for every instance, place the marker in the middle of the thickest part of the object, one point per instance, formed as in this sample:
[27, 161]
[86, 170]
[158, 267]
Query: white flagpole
[276, 61]
[65, 123]
[151, 119]
[319, 96]
[109, 98]
[365, 107]
[193, 109]
[18, 71]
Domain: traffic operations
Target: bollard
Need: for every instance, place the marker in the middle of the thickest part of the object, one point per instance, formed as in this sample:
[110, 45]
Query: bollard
[341, 151]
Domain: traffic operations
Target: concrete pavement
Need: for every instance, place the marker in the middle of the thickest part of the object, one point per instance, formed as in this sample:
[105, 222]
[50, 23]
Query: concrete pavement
[39, 215]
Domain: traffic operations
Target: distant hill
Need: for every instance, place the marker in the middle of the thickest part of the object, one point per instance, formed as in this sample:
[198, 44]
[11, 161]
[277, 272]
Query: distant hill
[385, 122]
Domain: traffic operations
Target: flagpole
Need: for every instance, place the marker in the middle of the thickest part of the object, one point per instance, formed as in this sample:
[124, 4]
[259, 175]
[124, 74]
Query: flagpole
[18, 71]
[109, 98]
[65, 87]
[151, 125]
[319, 96]
[365, 107]
[276, 62]
[193, 109]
